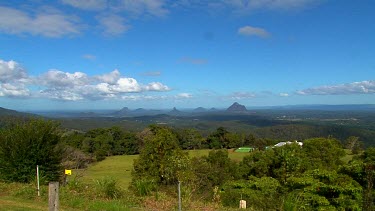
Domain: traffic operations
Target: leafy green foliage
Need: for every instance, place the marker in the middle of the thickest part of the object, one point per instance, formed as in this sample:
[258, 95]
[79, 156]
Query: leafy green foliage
[103, 142]
[323, 189]
[161, 159]
[323, 153]
[25, 145]
[259, 193]
[108, 188]
[223, 139]
[190, 139]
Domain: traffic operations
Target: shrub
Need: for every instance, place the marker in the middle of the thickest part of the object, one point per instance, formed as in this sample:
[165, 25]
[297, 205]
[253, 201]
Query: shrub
[25, 145]
[143, 186]
[108, 188]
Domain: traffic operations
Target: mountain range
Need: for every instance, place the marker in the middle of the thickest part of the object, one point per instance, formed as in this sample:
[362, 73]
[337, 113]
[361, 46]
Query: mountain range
[235, 108]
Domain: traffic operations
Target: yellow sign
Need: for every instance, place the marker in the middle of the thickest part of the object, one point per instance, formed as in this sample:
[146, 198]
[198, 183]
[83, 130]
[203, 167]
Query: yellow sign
[68, 172]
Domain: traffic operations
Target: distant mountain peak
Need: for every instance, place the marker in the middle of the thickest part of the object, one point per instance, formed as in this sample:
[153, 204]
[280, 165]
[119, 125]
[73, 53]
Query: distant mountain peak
[125, 109]
[236, 107]
[200, 109]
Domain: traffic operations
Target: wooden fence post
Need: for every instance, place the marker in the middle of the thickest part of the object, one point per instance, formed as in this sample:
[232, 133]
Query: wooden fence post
[53, 196]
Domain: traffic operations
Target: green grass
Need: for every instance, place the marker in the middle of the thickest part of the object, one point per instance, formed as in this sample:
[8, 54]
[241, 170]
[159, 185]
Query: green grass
[120, 167]
[16, 204]
[115, 167]
[236, 156]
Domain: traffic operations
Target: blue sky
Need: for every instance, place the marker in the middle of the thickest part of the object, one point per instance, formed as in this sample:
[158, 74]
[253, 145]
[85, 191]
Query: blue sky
[107, 54]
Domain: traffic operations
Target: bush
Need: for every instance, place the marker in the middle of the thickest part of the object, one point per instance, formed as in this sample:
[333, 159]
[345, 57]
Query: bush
[260, 193]
[143, 187]
[108, 188]
[25, 145]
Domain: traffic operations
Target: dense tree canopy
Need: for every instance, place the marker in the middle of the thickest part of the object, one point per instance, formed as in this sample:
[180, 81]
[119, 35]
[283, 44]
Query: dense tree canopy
[161, 159]
[25, 145]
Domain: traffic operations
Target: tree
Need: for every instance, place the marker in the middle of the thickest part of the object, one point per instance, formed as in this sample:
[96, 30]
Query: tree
[353, 144]
[160, 159]
[190, 139]
[323, 153]
[290, 160]
[258, 163]
[213, 170]
[369, 178]
[325, 190]
[260, 193]
[217, 139]
[27, 144]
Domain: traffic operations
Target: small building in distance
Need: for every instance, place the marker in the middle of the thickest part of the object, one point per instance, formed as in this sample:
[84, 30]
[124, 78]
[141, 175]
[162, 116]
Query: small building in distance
[280, 144]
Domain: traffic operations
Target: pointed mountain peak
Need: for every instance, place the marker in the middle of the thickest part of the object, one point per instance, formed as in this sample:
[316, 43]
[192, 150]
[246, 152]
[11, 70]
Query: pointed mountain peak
[236, 107]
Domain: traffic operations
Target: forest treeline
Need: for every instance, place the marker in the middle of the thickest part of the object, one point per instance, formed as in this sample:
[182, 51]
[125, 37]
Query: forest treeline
[315, 176]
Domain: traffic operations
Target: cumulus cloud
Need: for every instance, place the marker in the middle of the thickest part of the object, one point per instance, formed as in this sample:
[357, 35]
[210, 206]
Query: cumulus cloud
[113, 25]
[362, 87]
[58, 94]
[13, 79]
[156, 86]
[110, 78]
[87, 4]
[11, 71]
[57, 78]
[57, 84]
[52, 24]
[253, 31]
[13, 90]
[78, 86]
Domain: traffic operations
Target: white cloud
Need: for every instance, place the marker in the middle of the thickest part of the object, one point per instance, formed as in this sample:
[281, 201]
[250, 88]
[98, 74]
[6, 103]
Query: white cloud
[156, 86]
[13, 90]
[10, 71]
[113, 25]
[110, 78]
[57, 78]
[56, 84]
[87, 4]
[253, 31]
[362, 87]
[125, 85]
[284, 95]
[57, 94]
[184, 96]
[13, 21]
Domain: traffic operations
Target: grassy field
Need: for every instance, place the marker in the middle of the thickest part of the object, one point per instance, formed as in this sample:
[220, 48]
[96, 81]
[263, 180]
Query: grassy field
[116, 167]
[120, 167]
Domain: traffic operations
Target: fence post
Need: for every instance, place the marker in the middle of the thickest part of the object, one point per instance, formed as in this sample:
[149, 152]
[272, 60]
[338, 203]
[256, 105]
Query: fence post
[179, 195]
[53, 196]
[37, 179]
